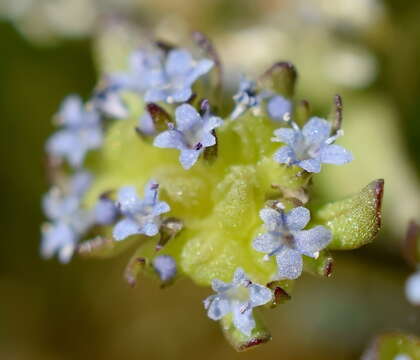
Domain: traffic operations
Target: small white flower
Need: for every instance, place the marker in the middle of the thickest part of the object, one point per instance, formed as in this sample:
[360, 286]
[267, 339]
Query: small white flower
[239, 298]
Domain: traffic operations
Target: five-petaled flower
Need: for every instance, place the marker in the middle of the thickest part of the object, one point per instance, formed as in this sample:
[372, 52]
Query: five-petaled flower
[310, 146]
[191, 135]
[140, 216]
[286, 240]
[67, 220]
[81, 132]
[172, 84]
[238, 298]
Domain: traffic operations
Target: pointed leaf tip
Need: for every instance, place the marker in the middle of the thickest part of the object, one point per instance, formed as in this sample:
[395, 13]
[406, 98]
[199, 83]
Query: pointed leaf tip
[354, 221]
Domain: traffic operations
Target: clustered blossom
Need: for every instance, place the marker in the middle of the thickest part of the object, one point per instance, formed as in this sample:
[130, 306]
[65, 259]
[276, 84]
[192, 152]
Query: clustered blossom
[191, 135]
[168, 77]
[140, 216]
[238, 298]
[286, 240]
[310, 146]
[81, 131]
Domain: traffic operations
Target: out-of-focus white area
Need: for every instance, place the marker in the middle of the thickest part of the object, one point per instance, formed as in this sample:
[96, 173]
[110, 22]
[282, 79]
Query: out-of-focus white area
[412, 288]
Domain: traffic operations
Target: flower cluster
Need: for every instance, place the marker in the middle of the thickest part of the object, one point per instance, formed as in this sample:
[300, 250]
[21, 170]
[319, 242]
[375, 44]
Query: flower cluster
[211, 176]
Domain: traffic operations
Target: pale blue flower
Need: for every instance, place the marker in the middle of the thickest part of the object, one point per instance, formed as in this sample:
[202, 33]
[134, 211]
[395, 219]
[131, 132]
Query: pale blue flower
[165, 266]
[81, 131]
[286, 240]
[310, 146]
[178, 74]
[239, 298]
[191, 135]
[140, 216]
[67, 220]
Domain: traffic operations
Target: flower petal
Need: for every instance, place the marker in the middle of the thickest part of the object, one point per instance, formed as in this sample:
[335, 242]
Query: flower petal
[128, 201]
[289, 264]
[316, 130]
[71, 111]
[201, 68]
[311, 241]
[178, 62]
[62, 143]
[80, 183]
[273, 219]
[212, 123]
[155, 94]
[165, 266]
[149, 229]
[259, 295]
[105, 212]
[58, 238]
[179, 94]
[266, 243]
[217, 306]
[285, 155]
[188, 158]
[278, 106]
[170, 139]
[187, 117]
[287, 136]
[219, 285]
[125, 228]
[146, 124]
[297, 218]
[243, 318]
[335, 154]
[160, 208]
[310, 165]
[239, 276]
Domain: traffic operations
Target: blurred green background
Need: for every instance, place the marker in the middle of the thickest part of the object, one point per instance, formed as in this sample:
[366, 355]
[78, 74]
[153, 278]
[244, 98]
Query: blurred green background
[366, 50]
